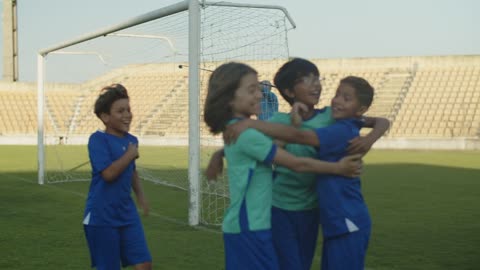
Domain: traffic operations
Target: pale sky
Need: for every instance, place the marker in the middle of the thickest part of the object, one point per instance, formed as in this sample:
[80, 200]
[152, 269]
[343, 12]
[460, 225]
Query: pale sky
[325, 29]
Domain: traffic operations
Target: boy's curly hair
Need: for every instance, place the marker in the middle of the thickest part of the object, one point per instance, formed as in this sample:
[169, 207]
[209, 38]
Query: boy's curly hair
[108, 95]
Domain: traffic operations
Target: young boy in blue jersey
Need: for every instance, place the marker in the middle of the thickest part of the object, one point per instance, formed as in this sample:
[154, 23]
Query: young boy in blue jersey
[294, 203]
[343, 212]
[233, 96]
[112, 225]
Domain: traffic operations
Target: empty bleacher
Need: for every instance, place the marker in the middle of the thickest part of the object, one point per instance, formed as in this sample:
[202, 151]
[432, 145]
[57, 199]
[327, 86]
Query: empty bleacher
[424, 97]
[441, 102]
[18, 114]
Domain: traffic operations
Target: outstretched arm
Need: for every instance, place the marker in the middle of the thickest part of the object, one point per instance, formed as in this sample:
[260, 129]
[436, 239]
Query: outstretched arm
[215, 165]
[363, 144]
[282, 132]
[350, 166]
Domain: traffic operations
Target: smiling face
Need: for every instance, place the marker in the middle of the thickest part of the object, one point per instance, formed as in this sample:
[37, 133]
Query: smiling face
[118, 120]
[246, 101]
[345, 103]
[306, 90]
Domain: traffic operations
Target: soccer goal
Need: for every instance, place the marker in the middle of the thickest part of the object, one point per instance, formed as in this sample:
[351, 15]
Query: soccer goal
[164, 59]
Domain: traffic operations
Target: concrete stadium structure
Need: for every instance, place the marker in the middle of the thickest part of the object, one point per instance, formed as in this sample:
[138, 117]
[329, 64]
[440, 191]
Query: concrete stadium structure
[433, 102]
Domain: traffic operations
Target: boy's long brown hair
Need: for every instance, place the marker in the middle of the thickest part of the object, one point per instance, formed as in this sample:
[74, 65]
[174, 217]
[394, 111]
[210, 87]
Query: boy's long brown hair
[223, 83]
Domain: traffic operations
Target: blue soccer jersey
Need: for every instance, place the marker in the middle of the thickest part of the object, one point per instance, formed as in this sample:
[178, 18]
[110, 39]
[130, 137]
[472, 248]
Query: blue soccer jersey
[341, 205]
[110, 203]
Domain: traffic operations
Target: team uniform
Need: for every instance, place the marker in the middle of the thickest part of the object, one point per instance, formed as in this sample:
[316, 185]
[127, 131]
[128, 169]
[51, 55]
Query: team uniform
[112, 225]
[294, 212]
[247, 221]
[344, 216]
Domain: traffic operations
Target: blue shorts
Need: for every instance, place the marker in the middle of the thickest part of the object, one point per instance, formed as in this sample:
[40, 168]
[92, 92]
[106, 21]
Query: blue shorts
[111, 245]
[346, 251]
[295, 237]
[249, 250]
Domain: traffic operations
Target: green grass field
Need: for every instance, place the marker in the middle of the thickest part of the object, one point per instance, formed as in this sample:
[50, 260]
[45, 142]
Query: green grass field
[425, 206]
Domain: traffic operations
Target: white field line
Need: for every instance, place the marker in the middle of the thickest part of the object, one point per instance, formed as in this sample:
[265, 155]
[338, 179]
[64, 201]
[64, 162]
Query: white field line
[151, 213]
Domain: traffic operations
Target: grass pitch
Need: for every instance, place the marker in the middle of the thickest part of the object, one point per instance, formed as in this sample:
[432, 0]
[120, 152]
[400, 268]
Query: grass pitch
[425, 207]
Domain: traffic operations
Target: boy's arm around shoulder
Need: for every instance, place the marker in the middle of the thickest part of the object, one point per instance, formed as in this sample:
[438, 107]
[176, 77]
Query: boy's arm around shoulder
[215, 165]
[282, 132]
[349, 166]
[379, 126]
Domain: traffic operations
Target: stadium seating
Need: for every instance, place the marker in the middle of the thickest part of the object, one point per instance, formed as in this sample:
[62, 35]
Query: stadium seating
[424, 97]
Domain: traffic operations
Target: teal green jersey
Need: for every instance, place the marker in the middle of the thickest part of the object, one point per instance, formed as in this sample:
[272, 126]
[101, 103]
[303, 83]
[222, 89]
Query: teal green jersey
[249, 168]
[291, 190]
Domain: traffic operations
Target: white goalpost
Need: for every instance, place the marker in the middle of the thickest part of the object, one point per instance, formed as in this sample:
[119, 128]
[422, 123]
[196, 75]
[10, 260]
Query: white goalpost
[147, 54]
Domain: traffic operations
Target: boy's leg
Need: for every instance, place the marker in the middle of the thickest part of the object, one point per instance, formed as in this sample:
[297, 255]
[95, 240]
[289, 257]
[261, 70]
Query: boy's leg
[134, 249]
[294, 237]
[104, 246]
[307, 231]
[345, 252]
[250, 250]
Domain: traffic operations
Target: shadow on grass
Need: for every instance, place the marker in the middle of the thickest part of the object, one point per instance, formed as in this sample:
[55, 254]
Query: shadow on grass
[424, 217]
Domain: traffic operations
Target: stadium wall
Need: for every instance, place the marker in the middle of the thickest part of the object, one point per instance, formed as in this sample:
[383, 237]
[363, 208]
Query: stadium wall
[29, 86]
[384, 143]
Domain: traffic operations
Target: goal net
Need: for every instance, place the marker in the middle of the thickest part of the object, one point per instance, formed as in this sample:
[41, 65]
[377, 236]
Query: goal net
[151, 55]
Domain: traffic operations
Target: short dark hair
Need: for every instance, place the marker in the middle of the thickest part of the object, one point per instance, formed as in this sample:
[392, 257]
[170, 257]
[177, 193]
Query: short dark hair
[108, 95]
[363, 90]
[222, 84]
[289, 74]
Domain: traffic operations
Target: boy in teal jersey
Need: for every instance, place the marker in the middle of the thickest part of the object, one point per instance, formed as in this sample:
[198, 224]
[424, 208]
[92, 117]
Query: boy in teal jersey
[234, 95]
[295, 221]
